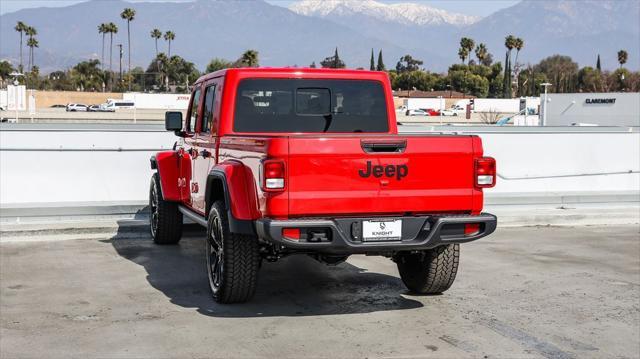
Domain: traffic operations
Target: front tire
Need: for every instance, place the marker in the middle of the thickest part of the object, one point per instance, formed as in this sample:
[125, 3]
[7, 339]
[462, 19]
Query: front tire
[232, 259]
[429, 272]
[165, 221]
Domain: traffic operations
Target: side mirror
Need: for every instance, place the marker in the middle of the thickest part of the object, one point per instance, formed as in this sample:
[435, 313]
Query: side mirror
[173, 121]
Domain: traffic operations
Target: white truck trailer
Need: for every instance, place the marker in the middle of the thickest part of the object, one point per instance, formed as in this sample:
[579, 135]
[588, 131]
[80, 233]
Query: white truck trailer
[499, 105]
[423, 103]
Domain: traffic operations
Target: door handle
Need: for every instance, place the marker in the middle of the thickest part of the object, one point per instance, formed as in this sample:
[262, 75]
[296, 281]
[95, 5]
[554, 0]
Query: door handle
[383, 146]
[205, 154]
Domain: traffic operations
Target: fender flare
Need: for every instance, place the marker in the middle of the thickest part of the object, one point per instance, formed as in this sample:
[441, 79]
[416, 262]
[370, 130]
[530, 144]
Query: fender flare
[242, 219]
[166, 164]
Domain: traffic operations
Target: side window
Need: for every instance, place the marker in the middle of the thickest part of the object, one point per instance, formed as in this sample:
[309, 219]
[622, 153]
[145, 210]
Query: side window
[207, 118]
[193, 112]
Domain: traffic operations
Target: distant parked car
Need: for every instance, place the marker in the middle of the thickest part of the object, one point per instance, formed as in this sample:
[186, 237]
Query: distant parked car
[449, 113]
[58, 106]
[113, 105]
[458, 110]
[73, 107]
[431, 112]
[416, 113]
[93, 108]
[106, 108]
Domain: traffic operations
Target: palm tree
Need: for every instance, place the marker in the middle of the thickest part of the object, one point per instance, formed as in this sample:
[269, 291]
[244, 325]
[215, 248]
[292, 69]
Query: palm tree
[103, 30]
[467, 44]
[509, 43]
[21, 27]
[622, 57]
[32, 43]
[156, 34]
[169, 36]
[111, 29]
[481, 52]
[518, 44]
[463, 53]
[129, 15]
[31, 32]
[250, 58]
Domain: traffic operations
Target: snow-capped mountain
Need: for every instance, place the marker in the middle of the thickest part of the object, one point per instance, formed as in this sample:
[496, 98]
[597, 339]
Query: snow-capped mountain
[403, 13]
[225, 28]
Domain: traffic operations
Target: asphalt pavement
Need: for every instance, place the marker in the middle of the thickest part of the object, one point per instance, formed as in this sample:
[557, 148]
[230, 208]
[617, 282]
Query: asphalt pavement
[528, 292]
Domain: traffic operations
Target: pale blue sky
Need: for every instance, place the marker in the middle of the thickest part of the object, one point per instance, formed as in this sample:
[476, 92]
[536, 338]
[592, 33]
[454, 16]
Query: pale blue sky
[469, 7]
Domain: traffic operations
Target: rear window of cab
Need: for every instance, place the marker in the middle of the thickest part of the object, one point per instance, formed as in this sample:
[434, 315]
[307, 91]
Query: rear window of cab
[310, 105]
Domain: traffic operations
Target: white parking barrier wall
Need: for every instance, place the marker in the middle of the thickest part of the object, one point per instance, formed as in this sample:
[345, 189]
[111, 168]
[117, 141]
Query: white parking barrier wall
[67, 167]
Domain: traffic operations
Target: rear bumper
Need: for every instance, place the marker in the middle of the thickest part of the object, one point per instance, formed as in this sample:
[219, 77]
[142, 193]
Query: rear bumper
[418, 233]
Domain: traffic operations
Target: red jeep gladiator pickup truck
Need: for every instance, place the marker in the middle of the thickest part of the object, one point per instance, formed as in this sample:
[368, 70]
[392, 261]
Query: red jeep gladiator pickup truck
[284, 161]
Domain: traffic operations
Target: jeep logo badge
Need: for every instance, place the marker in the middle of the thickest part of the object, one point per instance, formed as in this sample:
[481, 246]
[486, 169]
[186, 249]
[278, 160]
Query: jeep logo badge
[397, 171]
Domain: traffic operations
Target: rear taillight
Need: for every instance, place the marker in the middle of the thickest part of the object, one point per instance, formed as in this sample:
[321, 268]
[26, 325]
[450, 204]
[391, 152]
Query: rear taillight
[272, 175]
[485, 176]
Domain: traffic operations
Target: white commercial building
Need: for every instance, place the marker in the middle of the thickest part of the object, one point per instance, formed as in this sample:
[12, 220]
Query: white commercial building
[602, 109]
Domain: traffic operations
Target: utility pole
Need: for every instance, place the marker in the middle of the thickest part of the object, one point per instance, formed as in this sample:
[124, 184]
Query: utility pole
[544, 113]
[121, 53]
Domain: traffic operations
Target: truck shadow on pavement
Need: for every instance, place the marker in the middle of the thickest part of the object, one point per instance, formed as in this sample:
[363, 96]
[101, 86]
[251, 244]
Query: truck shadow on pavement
[293, 286]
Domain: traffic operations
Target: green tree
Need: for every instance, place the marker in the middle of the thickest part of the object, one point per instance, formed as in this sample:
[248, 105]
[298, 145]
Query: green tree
[518, 44]
[156, 74]
[531, 81]
[248, 59]
[32, 43]
[496, 81]
[59, 81]
[598, 67]
[469, 83]
[218, 64]
[407, 64]
[467, 44]
[103, 29]
[334, 62]
[86, 76]
[21, 27]
[462, 54]
[169, 36]
[380, 66]
[482, 53]
[419, 80]
[618, 80]
[622, 57]
[561, 71]
[111, 30]
[5, 72]
[509, 43]
[31, 32]
[589, 79]
[156, 35]
[128, 14]
[372, 63]
[181, 71]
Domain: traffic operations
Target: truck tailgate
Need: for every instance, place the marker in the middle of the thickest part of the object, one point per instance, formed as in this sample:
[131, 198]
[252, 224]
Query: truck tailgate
[351, 175]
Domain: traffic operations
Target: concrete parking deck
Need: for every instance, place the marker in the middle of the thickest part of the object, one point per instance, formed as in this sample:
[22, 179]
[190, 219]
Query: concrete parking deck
[529, 292]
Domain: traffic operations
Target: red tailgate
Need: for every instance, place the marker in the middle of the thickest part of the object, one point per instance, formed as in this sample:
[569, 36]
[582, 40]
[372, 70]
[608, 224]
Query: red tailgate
[350, 175]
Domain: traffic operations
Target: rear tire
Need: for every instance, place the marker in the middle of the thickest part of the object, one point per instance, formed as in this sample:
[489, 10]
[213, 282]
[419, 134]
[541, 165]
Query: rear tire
[232, 259]
[429, 272]
[165, 220]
